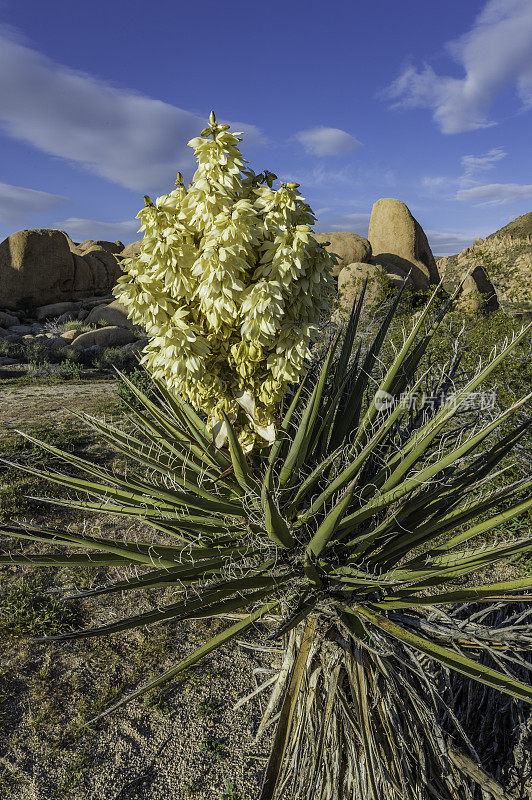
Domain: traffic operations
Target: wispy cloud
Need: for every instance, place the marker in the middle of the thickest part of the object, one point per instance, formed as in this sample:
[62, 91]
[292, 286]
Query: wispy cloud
[125, 137]
[17, 202]
[495, 54]
[446, 243]
[472, 165]
[355, 223]
[322, 177]
[441, 186]
[496, 194]
[323, 141]
[80, 229]
[468, 187]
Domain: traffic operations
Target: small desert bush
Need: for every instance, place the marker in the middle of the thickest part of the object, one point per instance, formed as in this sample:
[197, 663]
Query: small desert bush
[66, 370]
[10, 349]
[115, 357]
[35, 352]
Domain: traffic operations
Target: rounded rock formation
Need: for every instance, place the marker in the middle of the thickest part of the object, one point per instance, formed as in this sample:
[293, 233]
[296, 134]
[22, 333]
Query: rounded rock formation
[113, 314]
[7, 320]
[350, 247]
[57, 310]
[131, 250]
[380, 284]
[111, 247]
[111, 336]
[397, 238]
[478, 294]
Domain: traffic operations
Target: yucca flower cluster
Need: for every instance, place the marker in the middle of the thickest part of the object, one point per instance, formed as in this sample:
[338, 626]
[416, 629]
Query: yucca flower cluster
[229, 285]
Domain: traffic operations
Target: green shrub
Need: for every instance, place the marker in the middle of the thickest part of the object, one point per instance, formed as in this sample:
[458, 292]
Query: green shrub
[111, 357]
[35, 352]
[11, 349]
[66, 370]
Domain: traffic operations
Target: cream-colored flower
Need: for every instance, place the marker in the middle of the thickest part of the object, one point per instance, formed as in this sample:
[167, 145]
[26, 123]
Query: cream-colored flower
[229, 284]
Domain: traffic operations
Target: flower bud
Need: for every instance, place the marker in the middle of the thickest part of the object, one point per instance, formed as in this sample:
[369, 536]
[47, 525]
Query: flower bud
[269, 177]
[206, 132]
[212, 118]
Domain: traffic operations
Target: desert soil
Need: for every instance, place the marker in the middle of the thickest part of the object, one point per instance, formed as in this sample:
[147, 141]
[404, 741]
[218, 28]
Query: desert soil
[182, 742]
[28, 404]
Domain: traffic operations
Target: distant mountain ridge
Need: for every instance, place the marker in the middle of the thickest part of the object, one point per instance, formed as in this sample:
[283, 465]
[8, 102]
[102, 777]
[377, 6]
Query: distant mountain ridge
[506, 255]
[518, 228]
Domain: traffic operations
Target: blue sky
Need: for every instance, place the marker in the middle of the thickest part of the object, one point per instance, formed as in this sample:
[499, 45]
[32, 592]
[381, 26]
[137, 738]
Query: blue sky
[426, 101]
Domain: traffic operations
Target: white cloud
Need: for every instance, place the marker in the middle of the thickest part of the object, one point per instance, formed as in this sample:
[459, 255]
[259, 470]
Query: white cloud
[80, 229]
[16, 202]
[496, 194]
[457, 187]
[472, 165]
[319, 176]
[467, 187]
[125, 137]
[439, 186]
[355, 223]
[322, 141]
[495, 54]
[446, 243]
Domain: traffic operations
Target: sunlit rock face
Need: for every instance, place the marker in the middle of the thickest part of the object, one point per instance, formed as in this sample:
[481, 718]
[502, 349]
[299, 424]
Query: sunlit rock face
[398, 239]
[349, 247]
[45, 266]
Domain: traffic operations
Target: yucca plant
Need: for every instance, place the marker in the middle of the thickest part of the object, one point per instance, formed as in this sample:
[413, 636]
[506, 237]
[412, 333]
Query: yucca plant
[349, 540]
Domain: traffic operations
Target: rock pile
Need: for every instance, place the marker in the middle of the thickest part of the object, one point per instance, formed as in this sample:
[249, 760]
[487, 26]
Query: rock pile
[47, 280]
[102, 323]
[396, 250]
